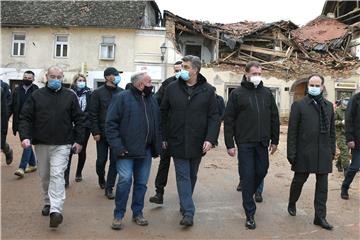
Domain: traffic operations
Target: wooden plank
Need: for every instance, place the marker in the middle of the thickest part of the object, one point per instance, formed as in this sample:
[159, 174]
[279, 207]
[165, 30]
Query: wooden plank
[228, 56]
[262, 50]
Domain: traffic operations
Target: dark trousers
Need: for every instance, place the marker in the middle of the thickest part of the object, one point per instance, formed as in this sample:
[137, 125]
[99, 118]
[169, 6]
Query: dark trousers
[163, 171]
[321, 191]
[254, 163]
[186, 175]
[102, 148]
[353, 168]
[81, 156]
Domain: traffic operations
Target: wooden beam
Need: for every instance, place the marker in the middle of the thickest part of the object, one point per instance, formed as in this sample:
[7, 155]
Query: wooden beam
[228, 56]
[262, 50]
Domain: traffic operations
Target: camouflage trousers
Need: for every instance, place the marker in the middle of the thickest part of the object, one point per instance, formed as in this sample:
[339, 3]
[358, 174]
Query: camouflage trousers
[343, 158]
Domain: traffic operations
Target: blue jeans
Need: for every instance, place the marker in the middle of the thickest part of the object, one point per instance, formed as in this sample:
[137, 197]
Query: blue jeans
[28, 157]
[138, 168]
[254, 163]
[186, 175]
[102, 149]
[353, 168]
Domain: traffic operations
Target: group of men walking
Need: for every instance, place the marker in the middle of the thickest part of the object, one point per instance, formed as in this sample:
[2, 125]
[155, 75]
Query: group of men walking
[182, 121]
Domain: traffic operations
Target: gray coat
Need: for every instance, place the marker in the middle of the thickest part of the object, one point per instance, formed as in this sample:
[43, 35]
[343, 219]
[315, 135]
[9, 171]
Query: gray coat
[308, 150]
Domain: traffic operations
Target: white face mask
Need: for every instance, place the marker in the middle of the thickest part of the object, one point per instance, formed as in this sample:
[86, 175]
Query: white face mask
[255, 80]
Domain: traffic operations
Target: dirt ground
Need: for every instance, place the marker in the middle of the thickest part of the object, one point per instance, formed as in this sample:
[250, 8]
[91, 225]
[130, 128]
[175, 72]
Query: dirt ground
[219, 213]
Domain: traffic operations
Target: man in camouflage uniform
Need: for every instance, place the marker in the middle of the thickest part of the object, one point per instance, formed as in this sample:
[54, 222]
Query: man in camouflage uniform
[342, 162]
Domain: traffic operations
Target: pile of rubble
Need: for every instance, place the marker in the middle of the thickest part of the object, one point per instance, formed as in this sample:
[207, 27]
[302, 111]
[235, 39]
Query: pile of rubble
[283, 49]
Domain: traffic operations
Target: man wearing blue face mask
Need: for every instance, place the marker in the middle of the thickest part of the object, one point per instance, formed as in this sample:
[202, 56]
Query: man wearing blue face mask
[163, 170]
[190, 129]
[311, 146]
[100, 101]
[51, 119]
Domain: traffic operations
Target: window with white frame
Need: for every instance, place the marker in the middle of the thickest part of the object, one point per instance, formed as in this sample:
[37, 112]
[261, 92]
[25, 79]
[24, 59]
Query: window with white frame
[18, 46]
[61, 46]
[107, 48]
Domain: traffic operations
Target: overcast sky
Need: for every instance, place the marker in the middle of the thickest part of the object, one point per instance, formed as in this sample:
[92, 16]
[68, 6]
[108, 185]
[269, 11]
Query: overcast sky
[229, 11]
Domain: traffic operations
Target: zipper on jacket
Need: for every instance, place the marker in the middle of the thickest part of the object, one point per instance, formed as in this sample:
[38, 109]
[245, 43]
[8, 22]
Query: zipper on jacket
[258, 112]
[147, 120]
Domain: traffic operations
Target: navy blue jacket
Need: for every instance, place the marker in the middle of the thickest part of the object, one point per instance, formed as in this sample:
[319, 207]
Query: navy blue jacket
[132, 124]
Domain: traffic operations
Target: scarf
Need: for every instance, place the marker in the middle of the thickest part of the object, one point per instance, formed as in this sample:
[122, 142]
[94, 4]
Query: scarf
[319, 104]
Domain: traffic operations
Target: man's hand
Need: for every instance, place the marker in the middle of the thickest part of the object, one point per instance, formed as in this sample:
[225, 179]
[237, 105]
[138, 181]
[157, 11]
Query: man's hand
[272, 148]
[96, 137]
[351, 144]
[231, 152]
[123, 153]
[76, 148]
[25, 143]
[207, 146]
[164, 145]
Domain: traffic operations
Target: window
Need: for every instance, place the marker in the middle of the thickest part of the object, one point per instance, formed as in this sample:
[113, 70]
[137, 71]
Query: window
[194, 50]
[107, 48]
[18, 46]
[61, 46]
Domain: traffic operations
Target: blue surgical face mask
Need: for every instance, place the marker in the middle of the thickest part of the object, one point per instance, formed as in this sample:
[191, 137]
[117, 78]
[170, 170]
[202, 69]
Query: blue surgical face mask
[117, 80]
[54, 84]
[184, 74]
[314, 91]
[81, 85]
[177, 74]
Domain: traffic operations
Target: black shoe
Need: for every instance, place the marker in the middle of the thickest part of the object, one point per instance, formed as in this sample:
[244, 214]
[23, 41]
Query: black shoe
[9, 157]
[323, 223]
[109, 194]
[157, 198]
[292, 209]
[78, 178]
[187, 221]
[344, 194]
[46, 210]
[250, 222]
[55, 219]
[102, 183]
[339, 167]
[238, 188]
[258, 197]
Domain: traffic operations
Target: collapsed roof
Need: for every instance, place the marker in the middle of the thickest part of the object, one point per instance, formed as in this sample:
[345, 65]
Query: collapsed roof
[281, 47]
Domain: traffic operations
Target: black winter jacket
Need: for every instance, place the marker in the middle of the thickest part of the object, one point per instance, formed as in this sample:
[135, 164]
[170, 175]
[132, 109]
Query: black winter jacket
[133, 124]
[352, 121]
[161, 92]
[18, 99]
[52, 118]
[100, 101]
[251, 115]
[192, 119]
[308, 150]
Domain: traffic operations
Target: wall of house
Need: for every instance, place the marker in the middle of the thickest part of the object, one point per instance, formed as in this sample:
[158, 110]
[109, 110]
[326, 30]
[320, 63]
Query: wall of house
[134, 48]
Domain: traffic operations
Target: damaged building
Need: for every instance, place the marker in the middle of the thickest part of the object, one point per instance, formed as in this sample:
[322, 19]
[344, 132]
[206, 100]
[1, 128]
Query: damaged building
[288, 54]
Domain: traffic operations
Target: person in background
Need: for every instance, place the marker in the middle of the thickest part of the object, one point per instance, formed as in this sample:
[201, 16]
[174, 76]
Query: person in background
[6, 149]
[19, 97]
[164, 165]
[100, 101]
[352, 134]
[83, 94]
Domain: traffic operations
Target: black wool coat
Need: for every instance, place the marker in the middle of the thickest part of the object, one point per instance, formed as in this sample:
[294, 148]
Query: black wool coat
[308, 150]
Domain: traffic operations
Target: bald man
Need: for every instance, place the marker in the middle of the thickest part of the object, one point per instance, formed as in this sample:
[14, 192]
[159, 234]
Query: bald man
[52, 121]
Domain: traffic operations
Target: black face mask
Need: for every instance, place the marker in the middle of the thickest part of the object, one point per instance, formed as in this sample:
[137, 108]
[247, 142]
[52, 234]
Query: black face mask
[26, 82]
[148, 90]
